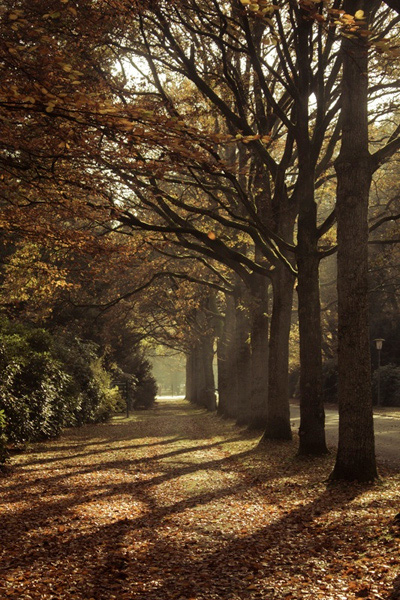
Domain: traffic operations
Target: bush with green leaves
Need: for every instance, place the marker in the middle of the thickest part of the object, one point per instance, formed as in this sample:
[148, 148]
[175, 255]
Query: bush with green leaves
[388, 378]
[3, 439]
[48, 383]
[145, 390]
[330, 381]
[89, 382]
[145, 393]
[32, 382]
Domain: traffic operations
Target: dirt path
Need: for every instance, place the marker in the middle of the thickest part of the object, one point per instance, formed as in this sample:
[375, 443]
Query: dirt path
[178, 504]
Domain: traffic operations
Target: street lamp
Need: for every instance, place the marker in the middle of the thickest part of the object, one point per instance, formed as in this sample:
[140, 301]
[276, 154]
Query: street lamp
[378, 345]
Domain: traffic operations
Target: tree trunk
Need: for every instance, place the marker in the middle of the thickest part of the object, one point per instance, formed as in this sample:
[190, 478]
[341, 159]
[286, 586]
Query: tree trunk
[242, 357]
[259, 353]
[189, 376]
[197, 375]
[356, 451]
[227, 374]
[312, 417]
[208, 397]
[278, 415]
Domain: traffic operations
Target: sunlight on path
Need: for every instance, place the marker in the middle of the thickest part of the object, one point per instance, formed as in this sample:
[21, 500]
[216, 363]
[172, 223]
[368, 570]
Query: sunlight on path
[175, 503]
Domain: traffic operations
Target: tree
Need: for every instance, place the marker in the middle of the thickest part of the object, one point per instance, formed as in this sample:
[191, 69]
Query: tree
[355, 166]
[221, 168]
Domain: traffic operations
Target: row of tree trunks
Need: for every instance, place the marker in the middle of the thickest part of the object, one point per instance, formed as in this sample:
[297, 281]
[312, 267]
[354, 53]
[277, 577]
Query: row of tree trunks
[252, 361]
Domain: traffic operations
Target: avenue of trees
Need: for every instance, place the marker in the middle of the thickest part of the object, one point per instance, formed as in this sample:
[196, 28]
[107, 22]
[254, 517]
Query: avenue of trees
[189, 171]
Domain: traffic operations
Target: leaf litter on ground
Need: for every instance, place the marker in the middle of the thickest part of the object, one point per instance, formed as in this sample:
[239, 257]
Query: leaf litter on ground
[178, 504]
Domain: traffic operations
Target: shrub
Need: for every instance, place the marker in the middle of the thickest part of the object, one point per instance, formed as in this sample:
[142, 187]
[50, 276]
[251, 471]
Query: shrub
[47, 384]
[294, 375]
[108, 399]
[92, 400]
[389, 376]
[145, 393]
[330, 381]
[31, 384]
[3, 439]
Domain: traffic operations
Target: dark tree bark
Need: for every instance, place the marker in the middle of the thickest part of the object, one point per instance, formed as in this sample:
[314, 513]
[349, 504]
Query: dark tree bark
[193, 375]
[242, 356]
[278, 414]
[207, 394]
[259, 353]
[356, 452]
[189, 376]
[227, 374]
[312, 415]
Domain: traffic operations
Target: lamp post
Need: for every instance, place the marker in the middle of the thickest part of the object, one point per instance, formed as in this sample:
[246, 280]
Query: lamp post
[378, 345]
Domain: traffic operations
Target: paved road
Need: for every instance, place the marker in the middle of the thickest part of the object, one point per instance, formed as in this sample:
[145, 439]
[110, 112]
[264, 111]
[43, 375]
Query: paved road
[387, 431]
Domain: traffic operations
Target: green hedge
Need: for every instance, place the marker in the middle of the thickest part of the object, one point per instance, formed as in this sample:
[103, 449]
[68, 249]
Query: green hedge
[48, 383]
[389, 384]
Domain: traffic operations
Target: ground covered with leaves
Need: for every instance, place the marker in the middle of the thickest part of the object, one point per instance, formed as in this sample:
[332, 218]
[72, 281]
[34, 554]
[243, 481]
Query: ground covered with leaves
[175, 503]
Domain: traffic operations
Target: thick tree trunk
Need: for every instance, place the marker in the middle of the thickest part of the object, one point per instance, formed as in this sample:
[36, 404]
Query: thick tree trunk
[312, 414]
[208, 397]
[278, 415]
[242, 357]
[223, 376]
[259, 353]
[312, 417]
[227, 374]
[197, 375]
[356, 452]
[189, 377]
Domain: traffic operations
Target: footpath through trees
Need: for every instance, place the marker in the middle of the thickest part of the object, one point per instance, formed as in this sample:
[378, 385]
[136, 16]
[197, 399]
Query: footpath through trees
[176, 503]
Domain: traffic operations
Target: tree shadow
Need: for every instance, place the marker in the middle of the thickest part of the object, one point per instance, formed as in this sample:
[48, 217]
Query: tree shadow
[156, 549]
[127, 465]
[224, 568]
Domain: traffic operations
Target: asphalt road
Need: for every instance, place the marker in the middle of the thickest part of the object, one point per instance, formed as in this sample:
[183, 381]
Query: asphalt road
[387, 431]
[386, 424]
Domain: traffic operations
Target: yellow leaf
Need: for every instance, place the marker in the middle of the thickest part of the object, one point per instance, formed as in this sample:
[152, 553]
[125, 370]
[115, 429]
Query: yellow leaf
[359, 14]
